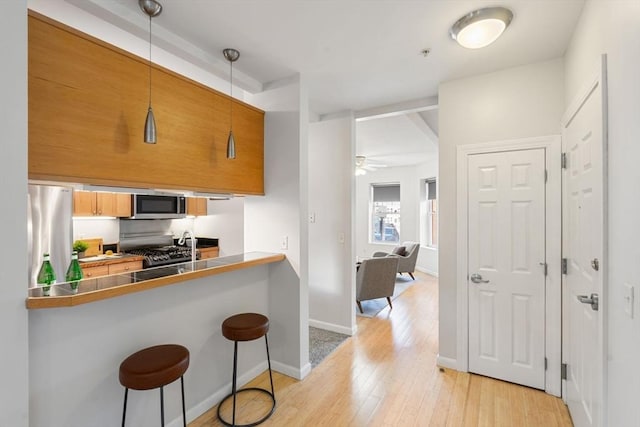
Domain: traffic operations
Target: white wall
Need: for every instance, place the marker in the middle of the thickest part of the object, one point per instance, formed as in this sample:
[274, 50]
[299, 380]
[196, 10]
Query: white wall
[409, 178]
[224, 221]
[331, 262]
[515, 103]
[281, 212]
[613, 27]
[75, 352]
[14, 356]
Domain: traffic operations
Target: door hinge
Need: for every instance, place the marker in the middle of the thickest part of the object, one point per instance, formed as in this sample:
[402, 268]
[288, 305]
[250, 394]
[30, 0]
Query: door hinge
[546, 269]
[563, 160]
[563, 266]
[563, 371]
[545, 364]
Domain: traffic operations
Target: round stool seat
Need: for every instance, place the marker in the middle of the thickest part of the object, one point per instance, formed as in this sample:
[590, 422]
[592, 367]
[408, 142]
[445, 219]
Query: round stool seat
[245, 327]
[154, 367]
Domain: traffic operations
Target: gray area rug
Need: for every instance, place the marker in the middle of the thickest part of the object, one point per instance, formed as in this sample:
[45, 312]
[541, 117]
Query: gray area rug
[322, 343]
[374, 306]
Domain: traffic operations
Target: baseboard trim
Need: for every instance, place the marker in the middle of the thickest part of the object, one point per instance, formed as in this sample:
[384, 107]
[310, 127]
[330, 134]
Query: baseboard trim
[291, 371]
[427, 271]
[447, 362]
[212, 400]
[333, 327]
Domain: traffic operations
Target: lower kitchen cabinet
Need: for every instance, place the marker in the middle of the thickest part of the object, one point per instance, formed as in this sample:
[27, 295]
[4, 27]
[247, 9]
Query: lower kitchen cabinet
[105, 270]
[206, 253]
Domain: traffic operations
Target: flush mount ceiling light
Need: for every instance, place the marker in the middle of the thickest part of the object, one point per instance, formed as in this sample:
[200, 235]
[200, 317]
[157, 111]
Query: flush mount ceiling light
[152, 8]
[232, 56]
[481, 27]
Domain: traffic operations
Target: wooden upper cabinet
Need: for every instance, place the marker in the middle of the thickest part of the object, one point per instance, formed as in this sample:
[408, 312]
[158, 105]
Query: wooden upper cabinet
[89, 203]
[196, 206]
[88, 101]
[84, 203]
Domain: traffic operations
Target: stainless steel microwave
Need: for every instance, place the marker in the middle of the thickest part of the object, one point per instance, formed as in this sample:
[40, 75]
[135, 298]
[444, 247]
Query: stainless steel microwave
[148, 206]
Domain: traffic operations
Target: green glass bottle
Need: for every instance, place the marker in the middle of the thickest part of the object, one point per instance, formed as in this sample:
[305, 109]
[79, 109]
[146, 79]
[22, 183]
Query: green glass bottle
[46, 275]
[74, 272]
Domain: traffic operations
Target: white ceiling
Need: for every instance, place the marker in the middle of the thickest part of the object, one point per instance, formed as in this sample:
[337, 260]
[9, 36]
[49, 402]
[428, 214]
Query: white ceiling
[354, 54]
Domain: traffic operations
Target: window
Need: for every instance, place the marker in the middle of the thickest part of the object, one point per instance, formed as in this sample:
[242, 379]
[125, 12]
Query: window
[385, 213]
[429, 214]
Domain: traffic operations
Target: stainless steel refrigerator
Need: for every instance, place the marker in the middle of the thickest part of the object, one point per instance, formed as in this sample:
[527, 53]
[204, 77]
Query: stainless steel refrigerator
[50, 229]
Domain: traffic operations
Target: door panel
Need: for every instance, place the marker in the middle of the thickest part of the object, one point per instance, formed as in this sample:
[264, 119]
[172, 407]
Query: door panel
[506, 245]
[583, 198]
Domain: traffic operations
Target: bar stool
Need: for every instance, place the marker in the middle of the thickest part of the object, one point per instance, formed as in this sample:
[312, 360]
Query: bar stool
[154, 367]
[246, 327]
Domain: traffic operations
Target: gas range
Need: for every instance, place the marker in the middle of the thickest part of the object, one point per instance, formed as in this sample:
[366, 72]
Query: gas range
[157, 250]
[163, 255]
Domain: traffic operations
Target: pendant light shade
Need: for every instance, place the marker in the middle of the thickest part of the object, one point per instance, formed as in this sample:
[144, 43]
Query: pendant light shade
[232, 56]
[152, 8]
[481, 27]
[150, 127]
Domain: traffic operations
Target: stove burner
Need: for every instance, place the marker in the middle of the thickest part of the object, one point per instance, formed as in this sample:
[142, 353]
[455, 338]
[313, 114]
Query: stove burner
[163, 255]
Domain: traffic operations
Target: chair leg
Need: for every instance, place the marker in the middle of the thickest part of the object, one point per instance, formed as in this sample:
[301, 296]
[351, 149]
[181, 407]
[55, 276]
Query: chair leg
[389, 299]
[184, 413]
[124, 409]
[411, 274]
[233, 384]
[162, 406]
[273, 393]
[360, 306]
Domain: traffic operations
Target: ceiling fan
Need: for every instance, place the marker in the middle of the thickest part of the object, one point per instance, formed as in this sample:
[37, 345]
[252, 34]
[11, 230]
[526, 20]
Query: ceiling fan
[363, 165]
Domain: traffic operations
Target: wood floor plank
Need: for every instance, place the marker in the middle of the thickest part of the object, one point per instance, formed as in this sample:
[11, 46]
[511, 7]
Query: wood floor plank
[386, 375]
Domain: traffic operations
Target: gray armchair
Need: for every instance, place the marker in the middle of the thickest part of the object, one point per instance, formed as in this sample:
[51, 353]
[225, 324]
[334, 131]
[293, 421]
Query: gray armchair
[376, 278]
[407, 261]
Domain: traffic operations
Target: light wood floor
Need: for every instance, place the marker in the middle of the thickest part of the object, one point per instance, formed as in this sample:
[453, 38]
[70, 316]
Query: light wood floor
[386, 375]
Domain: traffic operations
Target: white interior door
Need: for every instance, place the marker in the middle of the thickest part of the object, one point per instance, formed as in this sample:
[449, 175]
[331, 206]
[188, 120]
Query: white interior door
[506, 249]
[583, 201]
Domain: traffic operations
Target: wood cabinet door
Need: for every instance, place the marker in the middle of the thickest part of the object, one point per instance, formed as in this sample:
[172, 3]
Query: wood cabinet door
[207, 253]
[101, 270]
[196, 206]
[123, 205]
[106, 203]
[84, 203]
[124, 267]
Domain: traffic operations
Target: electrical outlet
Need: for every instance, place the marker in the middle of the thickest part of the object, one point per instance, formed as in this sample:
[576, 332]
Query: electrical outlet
[341, 238]
[284, 243]
[628, 299]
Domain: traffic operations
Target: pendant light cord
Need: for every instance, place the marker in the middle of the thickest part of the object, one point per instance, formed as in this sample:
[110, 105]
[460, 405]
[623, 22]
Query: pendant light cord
[149, 61]
[231, 96]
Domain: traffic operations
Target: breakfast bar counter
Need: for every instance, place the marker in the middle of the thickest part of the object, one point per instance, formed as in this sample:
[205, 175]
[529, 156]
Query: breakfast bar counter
[90, 290]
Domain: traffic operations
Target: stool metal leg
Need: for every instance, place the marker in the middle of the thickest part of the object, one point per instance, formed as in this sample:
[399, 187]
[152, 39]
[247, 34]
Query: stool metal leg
[184, 413]
[233, 386]
[162, 405]
[124, 409]
[266, 341]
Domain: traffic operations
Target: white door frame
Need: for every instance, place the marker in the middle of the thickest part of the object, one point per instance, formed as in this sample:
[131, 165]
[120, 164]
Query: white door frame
[553, 249]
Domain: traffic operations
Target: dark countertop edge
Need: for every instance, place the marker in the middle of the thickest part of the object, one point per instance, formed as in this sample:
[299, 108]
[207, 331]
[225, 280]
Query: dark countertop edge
[101, 294]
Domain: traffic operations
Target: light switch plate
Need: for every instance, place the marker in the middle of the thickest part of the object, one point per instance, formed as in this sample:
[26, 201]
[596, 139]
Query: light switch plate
[284, 243]
[628, 299]
[312, 217]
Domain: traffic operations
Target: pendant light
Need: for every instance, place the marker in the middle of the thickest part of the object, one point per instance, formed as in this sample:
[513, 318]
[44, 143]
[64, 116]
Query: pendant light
[481, 27]
[153, 9]
[232, 56]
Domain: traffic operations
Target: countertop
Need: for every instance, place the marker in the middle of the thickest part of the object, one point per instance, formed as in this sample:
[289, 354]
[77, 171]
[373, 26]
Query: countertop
[91, 290]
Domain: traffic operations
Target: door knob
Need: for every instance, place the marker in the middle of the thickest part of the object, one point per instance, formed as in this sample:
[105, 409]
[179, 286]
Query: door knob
[591, 300]
[476, 278]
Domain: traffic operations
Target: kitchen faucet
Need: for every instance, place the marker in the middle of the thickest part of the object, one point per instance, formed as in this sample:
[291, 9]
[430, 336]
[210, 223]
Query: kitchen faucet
[185, 234]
